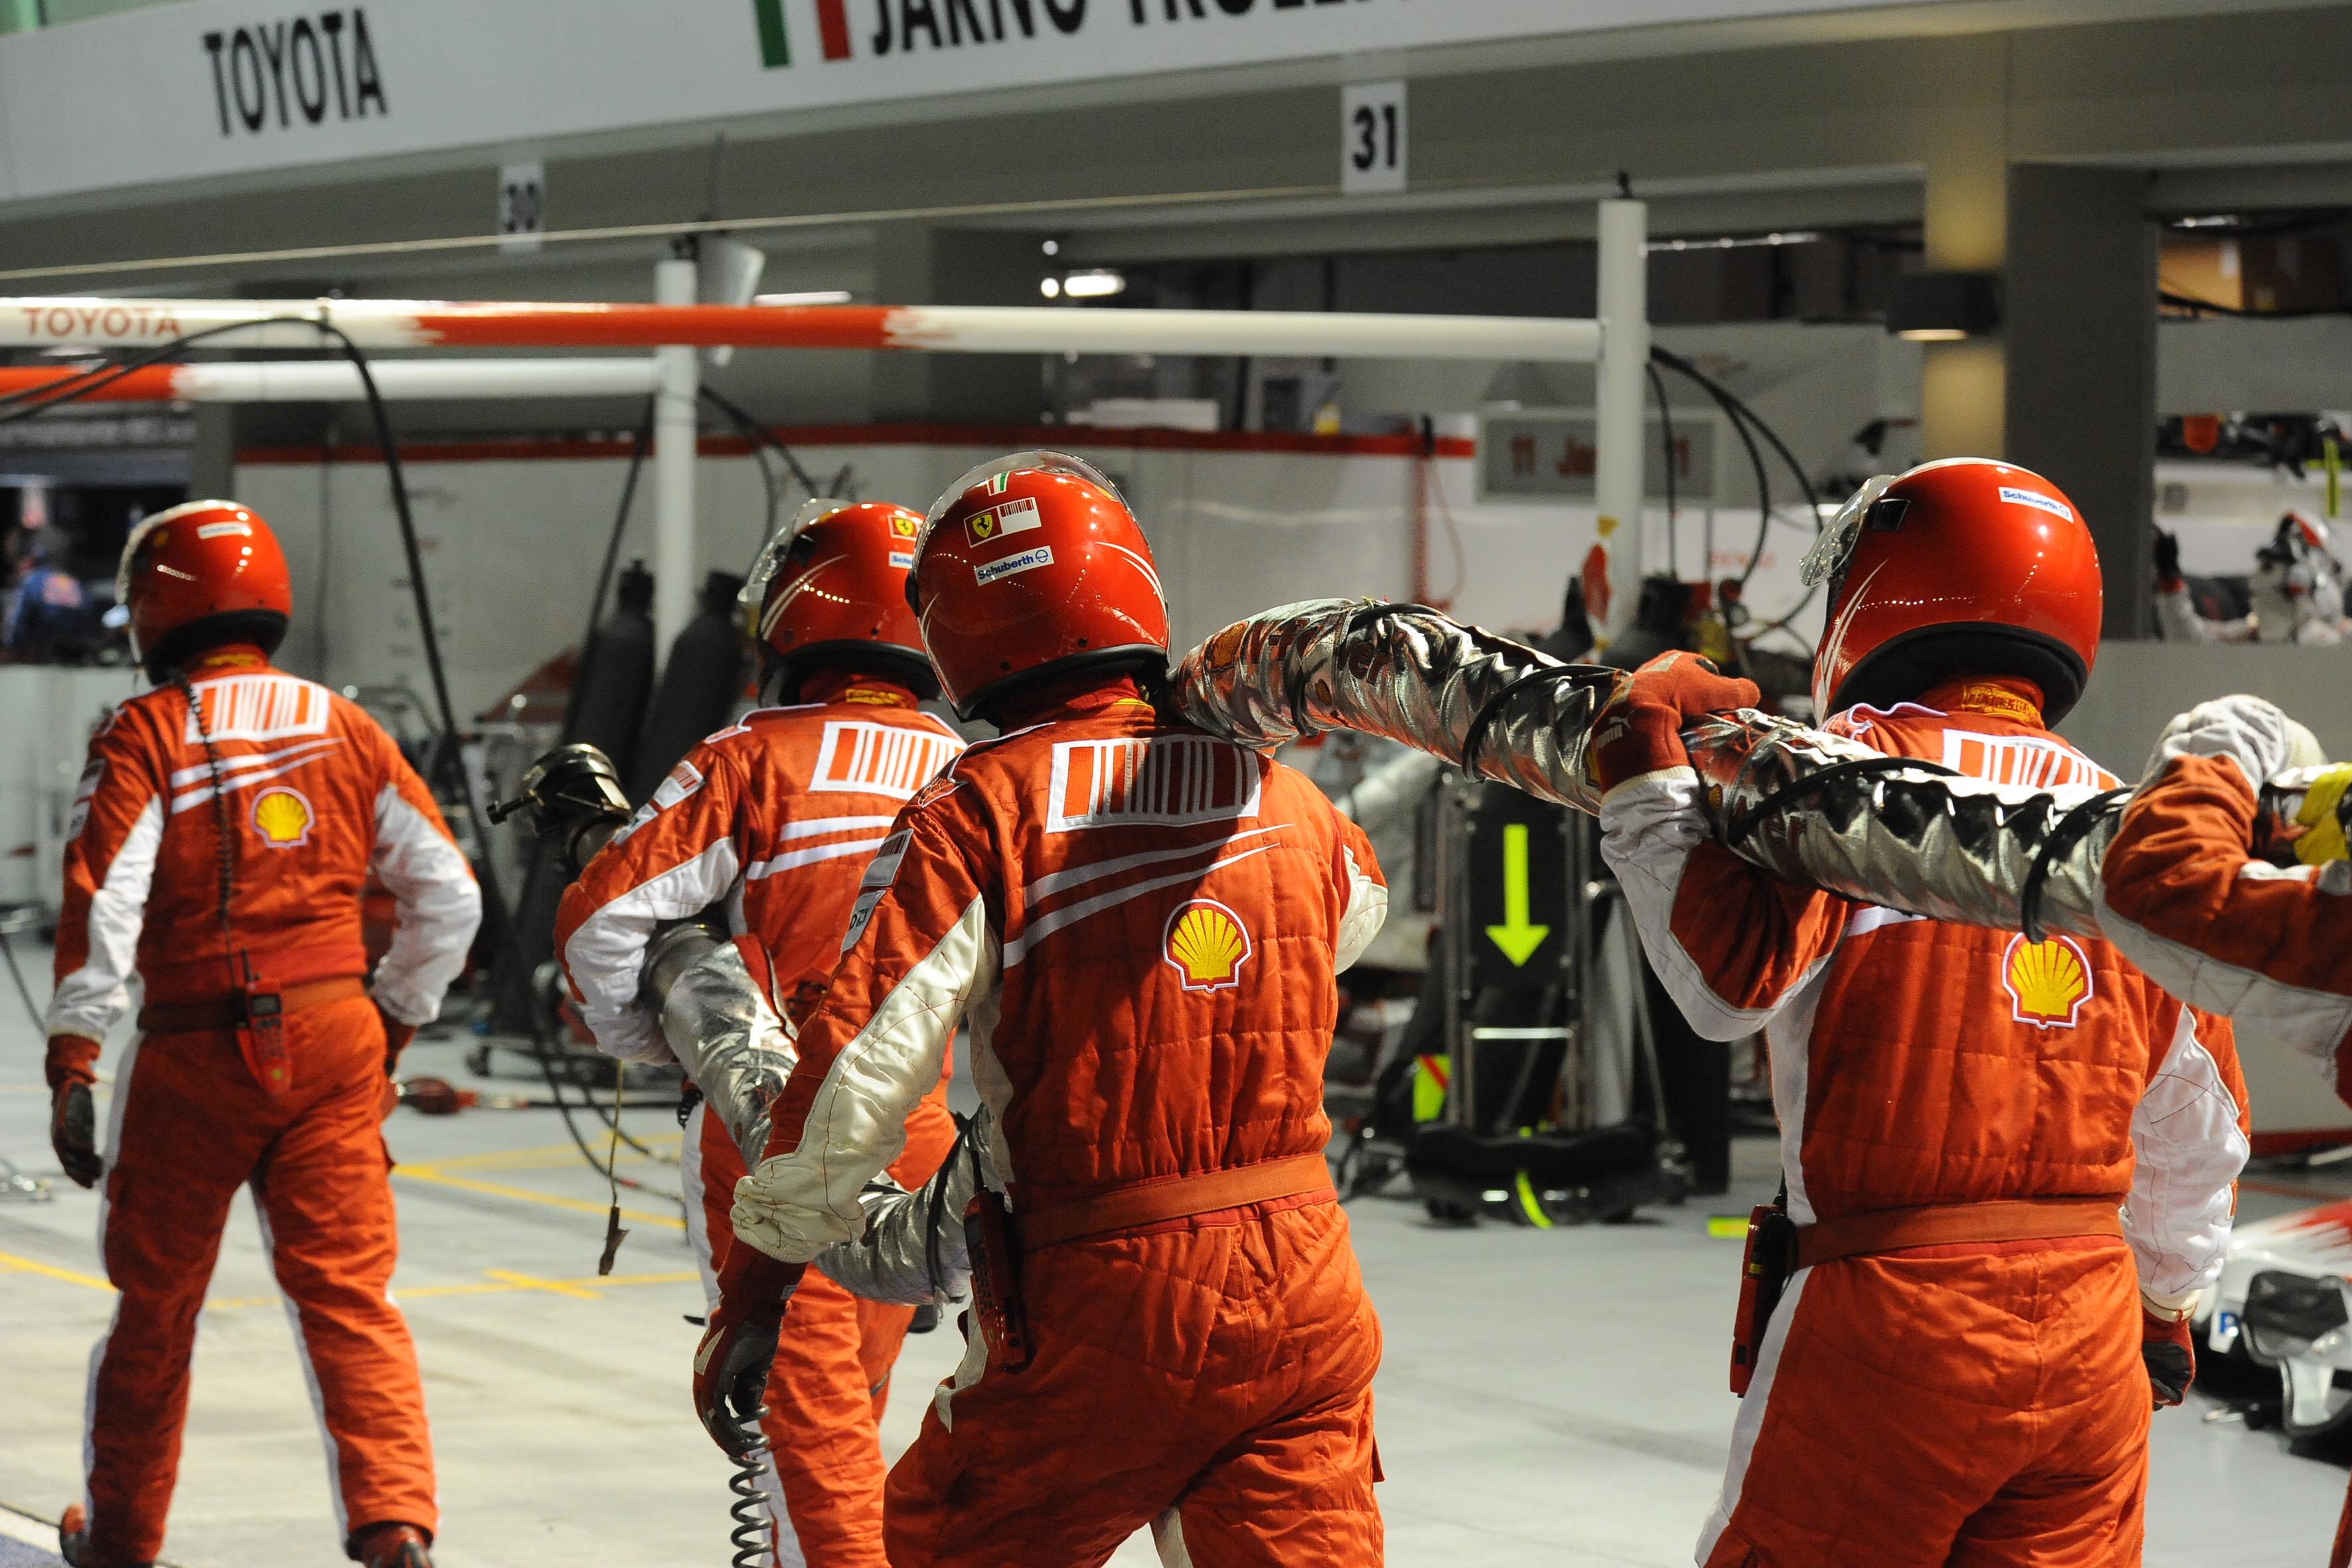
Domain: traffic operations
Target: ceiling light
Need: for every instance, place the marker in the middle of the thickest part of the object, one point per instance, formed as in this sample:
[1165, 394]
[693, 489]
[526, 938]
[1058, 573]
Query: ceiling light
[1097, 285]
[1050, 287]
[1943, 307]
[807, 297]
[1053, 248]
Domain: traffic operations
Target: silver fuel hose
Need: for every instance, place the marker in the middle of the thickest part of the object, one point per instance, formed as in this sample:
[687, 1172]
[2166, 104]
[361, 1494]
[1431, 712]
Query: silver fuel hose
[1894, 832]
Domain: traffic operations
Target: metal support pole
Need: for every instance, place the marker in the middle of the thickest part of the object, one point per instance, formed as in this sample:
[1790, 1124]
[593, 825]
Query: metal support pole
[1621, 390]
[675, 422]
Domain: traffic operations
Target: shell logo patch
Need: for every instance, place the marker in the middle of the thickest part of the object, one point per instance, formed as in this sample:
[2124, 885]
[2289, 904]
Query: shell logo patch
[2048, 982]
[283, 818]
[1207, 945]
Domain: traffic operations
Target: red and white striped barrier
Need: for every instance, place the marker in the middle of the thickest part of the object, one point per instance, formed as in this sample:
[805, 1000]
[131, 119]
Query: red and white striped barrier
[394, 324]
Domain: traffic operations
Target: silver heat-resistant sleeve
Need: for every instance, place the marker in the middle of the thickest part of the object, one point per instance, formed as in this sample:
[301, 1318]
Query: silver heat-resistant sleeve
[1903, 836]
[734, 1047]
[913, 1250]
[738, 1054]
[1402, 672]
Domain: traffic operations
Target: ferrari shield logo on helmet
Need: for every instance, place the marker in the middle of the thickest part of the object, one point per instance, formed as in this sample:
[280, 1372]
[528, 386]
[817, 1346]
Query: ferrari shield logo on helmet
[2048, 982]
[1207, 945]
[1018, 516]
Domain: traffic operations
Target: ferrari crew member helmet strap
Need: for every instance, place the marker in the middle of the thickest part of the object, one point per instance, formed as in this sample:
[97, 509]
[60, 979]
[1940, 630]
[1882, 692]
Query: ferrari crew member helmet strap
[199, 574]
[1032, 568]
[830, 590]
[1961, 568]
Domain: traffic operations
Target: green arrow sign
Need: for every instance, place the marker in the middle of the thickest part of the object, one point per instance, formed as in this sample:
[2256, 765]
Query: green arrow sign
[1517, 937]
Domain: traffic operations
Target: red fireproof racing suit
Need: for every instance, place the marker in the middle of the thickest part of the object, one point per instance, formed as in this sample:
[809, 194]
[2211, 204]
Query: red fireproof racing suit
[776, 818]
[1141, 924]
[313, 794]
[2185, 898]
[1975, 1404]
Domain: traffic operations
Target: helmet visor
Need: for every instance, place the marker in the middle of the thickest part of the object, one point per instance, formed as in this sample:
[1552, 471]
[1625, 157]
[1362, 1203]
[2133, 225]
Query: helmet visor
[1835, 548]
[753, 596]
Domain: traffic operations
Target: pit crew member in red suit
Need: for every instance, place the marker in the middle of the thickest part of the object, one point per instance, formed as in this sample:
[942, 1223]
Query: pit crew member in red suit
[775, 818]
[2009, 1164]
[219, 841]
[1141, 924]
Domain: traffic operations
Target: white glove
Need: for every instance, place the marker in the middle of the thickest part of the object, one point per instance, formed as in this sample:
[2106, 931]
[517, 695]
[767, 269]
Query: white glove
[2255, 734]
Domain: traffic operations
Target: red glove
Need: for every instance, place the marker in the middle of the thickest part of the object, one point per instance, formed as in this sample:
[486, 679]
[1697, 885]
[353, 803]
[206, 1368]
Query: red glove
[1641, 732]
[739, 1348]
[73, 1115]
[2167, 1348]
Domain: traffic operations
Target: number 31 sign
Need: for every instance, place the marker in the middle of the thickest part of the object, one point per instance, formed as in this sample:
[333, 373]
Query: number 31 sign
[1372, 138]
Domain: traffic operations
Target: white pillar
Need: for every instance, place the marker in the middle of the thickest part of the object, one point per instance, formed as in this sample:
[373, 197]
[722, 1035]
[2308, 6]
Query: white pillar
[674, 584]
[1621, 395]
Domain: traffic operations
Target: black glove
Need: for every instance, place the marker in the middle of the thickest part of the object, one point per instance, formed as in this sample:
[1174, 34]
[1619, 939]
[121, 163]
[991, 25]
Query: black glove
[2165, 1349]
[2167, 559]
[739, 1348]
[73, 1134]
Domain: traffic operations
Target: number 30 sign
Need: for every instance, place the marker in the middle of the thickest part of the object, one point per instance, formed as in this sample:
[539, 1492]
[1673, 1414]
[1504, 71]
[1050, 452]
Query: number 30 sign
[1372, 138]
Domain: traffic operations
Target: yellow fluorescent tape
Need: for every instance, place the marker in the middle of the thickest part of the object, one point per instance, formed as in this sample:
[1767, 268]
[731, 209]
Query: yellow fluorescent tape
[1727, 1227]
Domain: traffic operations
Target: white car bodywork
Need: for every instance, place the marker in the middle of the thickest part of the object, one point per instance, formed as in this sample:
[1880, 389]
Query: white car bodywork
[2315, 1375]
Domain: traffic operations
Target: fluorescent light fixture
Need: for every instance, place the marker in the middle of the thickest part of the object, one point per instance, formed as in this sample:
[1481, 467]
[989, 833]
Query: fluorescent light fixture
[1095, 285]
[807, 297]
[1733, 242]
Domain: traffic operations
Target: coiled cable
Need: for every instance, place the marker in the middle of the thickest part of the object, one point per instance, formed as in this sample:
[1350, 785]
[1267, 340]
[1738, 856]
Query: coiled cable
[754, 1535]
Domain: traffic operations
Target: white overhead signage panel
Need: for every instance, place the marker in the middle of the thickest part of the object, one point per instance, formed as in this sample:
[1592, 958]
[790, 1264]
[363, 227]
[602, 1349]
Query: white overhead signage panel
[221, 87]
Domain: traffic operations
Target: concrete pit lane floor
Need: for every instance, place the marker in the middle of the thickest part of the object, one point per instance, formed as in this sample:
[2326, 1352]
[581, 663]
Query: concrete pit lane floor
[1547, 1398]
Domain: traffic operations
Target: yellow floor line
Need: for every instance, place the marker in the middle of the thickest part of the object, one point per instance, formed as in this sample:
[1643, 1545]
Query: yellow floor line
[553, 1287]
[549, 1154]
[524, 1195]
[502, 1284]
[9, 1261]
[497, 1282]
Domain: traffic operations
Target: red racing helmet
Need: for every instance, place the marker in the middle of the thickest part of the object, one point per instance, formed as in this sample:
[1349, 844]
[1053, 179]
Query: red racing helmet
[831, 588]
[1961, 568]
[199, 574]
[1033, 567]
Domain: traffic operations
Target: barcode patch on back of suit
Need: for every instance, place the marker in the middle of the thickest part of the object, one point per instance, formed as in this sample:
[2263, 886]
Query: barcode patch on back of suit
[859, 758]
[1168, 780]
[2020, 760]
[259, 708]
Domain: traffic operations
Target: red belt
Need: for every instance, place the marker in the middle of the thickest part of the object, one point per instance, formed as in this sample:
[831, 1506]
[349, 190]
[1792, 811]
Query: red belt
[228, 1012]
[1948, 1224]
[1153, 1203]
